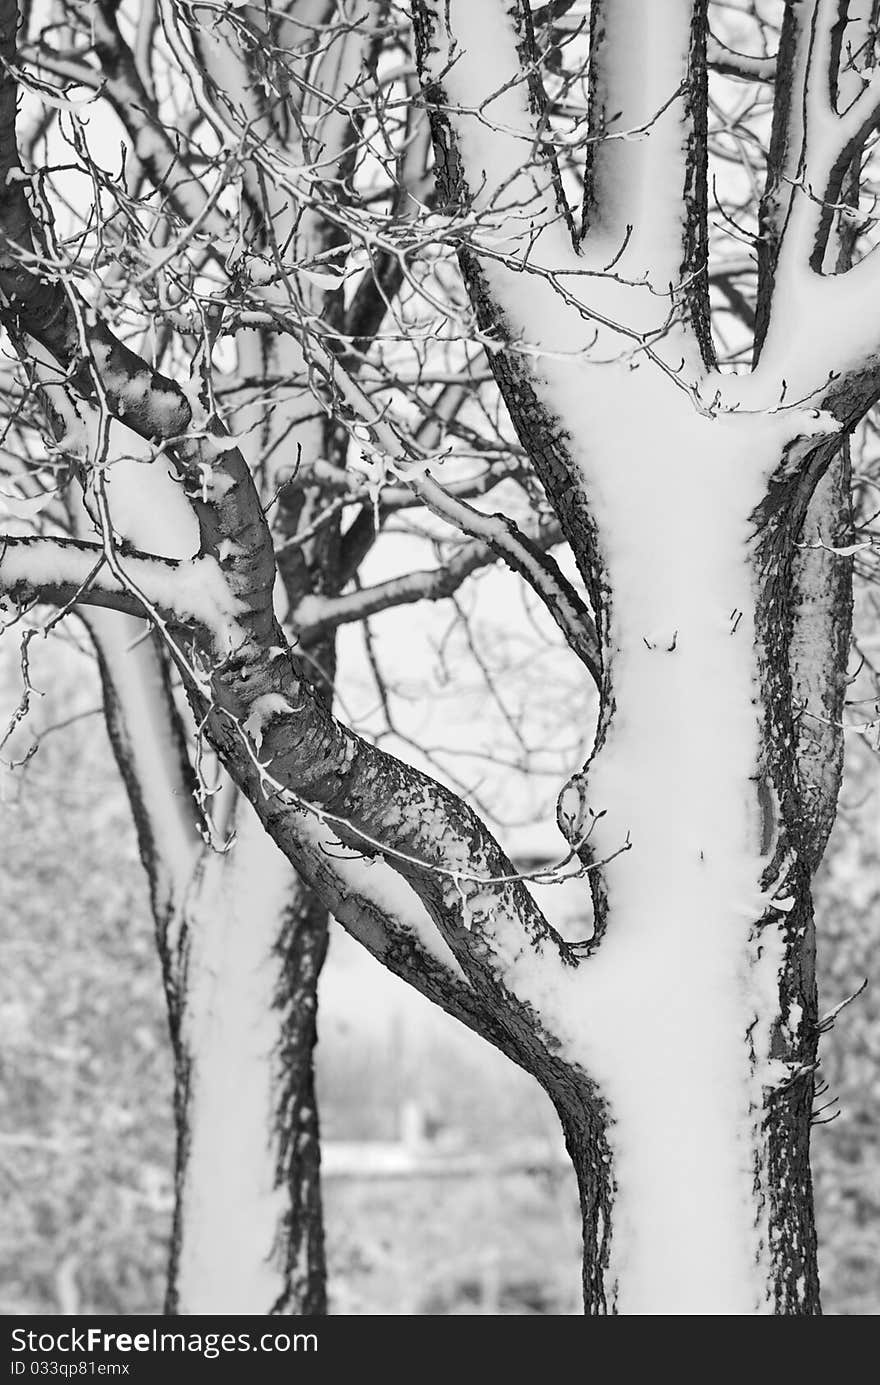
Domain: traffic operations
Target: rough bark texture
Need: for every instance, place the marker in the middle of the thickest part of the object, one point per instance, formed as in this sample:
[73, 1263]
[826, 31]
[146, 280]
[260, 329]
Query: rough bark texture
[284, 1273]
[302, 948]
[185, 898]
[804, 622]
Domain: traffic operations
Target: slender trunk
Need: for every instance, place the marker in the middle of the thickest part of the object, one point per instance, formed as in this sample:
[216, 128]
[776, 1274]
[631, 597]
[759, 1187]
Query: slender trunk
[241, 941]
[248, 1235]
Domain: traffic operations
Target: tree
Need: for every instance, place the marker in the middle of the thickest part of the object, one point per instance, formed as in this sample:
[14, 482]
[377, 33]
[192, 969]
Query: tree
[258, 1156]
[702, 497]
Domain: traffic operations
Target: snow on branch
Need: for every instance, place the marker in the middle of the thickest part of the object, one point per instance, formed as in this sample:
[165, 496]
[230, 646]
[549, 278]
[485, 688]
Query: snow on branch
[526, 554]
[379, 909]
[481, 84]
[296, 763]
[269, 725]
[314, 615]
[745, 66]
[828, 137]
[66, 572]
[122, 83]
[813, 331]
[646, 172]
[102, 370]
[499, 533]
[325, 63]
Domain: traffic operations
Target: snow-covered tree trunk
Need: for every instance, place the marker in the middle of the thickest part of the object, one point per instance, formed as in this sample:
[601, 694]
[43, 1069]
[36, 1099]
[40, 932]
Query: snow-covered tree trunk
[696, 1013]
[248, 1234]
[704, 509]
[241, 941]
[241, 938]
[682, 499]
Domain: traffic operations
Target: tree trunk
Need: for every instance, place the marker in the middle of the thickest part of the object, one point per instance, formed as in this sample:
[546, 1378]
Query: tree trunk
[242, 941]
[248, 1234]
[695, 1013]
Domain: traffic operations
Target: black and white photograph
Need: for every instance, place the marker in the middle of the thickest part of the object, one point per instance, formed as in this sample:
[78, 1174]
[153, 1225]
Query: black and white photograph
[439, 670]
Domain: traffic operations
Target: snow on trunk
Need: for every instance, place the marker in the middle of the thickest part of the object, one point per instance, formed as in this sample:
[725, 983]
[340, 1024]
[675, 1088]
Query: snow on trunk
[691, 1013]
[681, 988]
[248, 1232]
[677, 1014]
[150, 755]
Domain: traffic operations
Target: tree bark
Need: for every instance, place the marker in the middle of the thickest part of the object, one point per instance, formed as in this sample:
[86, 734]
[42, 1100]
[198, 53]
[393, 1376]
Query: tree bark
[248, 1230]
[680, 1047]
[241, 940]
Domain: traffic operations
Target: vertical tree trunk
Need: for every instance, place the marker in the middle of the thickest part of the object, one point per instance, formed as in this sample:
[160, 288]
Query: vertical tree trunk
[242, 941]
[248, 1235]
[695, 1014]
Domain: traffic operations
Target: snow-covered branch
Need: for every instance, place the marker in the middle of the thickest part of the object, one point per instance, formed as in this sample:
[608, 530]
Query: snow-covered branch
[120, 384]
[314, 614]
[524, 556]
[377, 907]
[480, 82]
[120, 80]
[292, 758]
[727, 62]
[273, 730]
[325, 62]
[149, 747]
[646, 174]
[550, 310]
[828, 137]
[62, 571]
[812, 332]
[499, 533]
